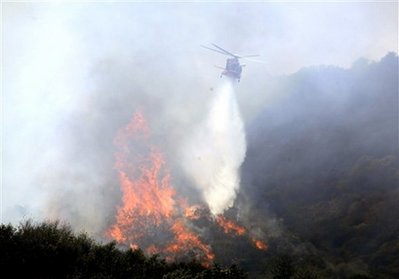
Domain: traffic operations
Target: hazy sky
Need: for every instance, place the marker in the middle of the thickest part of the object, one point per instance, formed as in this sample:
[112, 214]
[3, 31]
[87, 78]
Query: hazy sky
[56, 57]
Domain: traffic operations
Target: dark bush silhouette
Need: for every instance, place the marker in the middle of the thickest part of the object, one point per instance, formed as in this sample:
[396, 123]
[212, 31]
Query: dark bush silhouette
[51, 250]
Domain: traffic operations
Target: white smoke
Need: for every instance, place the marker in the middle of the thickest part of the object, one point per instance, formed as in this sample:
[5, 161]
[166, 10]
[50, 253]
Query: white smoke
[216, 149]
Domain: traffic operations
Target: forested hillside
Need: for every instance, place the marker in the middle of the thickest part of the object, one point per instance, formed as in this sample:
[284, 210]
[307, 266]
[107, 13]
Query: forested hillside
[323, 160]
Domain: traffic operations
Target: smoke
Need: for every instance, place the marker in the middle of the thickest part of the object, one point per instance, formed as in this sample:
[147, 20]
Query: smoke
[216, 149]
[75, 73]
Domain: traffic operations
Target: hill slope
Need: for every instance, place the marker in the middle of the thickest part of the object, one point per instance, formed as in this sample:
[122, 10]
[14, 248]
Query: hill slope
[324, 159]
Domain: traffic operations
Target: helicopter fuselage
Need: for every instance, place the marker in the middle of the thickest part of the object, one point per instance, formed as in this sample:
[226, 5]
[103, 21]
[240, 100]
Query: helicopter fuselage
[233, 69]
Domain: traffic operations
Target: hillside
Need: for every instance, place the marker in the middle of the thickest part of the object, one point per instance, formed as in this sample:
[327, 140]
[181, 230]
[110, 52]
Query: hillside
[323, 160]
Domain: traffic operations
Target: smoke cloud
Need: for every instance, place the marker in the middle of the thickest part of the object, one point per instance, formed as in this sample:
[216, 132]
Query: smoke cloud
[214, 153]
[74, 74]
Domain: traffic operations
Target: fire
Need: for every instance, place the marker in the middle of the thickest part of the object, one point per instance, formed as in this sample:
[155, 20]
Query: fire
[260, 244]
[229, 226]
[192, 212]
[151, 215]
[187, 241]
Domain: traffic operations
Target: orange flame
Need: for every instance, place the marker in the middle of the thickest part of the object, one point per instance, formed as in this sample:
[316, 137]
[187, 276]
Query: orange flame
[229, 226]
[151, 215]
[188, 241]
[260, 244]
[192, 212]
[149, 210]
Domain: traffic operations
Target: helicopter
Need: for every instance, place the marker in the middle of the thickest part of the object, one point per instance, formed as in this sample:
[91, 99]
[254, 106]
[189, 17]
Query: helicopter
[233, 67]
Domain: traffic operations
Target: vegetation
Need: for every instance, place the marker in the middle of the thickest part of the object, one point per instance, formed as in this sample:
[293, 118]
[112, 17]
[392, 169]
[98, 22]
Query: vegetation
[49, 250]
[323, 161]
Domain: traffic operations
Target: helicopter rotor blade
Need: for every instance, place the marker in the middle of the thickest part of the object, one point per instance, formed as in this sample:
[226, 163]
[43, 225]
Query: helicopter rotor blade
[218, 51]
[255, 60]
[251, 55]
[225, 51]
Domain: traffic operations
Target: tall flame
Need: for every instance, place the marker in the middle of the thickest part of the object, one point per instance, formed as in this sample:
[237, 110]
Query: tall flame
[152, 216]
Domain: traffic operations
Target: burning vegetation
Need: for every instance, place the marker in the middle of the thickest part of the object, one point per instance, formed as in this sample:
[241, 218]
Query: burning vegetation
[152, 215]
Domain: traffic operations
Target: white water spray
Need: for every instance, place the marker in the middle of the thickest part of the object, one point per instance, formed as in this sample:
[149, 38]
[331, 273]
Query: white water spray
[215, 151]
